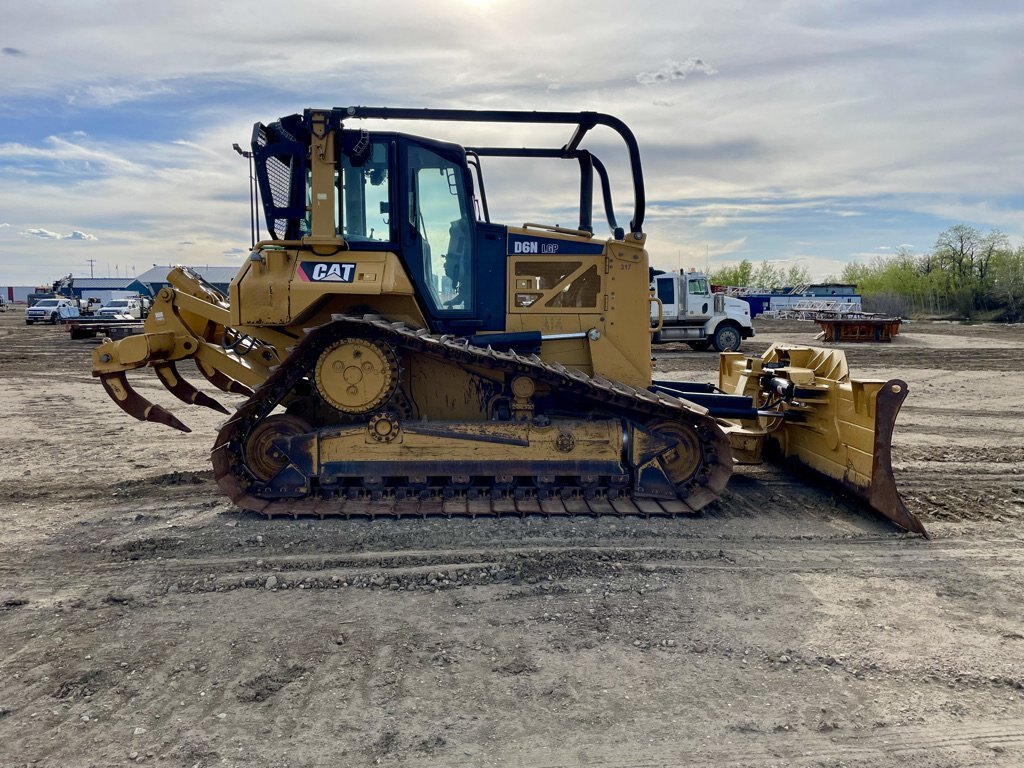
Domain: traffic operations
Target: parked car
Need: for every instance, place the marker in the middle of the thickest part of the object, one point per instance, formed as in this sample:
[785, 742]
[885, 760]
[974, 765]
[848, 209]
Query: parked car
[51, 310]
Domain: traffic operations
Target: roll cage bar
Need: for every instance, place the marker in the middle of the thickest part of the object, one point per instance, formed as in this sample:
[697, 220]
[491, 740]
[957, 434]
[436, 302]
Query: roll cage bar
[279, 150]
[583, 122]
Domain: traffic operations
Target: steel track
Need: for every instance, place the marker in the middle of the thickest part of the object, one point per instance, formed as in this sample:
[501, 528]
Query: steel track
[394, 500]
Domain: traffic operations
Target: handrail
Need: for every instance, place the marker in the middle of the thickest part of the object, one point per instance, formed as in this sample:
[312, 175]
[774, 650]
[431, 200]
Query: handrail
[661, 314]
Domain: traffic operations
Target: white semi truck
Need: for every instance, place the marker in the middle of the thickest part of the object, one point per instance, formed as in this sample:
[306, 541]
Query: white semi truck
[683, 308]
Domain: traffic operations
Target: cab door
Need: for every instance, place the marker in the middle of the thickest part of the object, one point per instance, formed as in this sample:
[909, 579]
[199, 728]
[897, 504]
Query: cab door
[665, 290]
[699, 303]
[439, 234]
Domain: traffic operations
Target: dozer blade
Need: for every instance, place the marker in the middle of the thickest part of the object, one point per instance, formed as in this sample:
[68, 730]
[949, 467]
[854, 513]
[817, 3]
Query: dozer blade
[134, 404]
[882, 493]
[842, 452]
[838, 426]
[222, 381]
[182, 389]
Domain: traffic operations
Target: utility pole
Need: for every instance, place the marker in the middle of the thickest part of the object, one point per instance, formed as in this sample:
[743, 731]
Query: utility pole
[91, 263]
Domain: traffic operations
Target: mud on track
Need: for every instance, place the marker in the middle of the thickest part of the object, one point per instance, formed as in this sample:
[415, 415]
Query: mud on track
[144, 620]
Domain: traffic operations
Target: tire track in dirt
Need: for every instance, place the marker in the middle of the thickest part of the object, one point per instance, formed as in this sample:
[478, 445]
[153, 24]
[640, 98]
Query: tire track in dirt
[955, 744]
[483, 566]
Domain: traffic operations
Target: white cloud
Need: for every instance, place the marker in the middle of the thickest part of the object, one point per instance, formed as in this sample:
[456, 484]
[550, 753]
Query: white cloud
[843, 214]
[59, 150]
[674, 70]
[108, 95]
[46, 234]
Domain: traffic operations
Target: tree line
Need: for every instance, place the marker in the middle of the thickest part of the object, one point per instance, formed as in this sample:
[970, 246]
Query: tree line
[766, 275]
[967, 274]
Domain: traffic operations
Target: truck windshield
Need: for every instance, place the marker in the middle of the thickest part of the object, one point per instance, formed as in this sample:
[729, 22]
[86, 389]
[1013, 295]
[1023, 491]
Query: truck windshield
[47, 303]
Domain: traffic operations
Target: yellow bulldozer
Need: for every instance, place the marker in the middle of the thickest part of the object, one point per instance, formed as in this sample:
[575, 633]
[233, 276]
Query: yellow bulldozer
[403, 354]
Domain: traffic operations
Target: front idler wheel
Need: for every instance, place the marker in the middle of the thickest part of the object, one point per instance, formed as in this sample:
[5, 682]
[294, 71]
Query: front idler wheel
[263, 454]
[685, 457]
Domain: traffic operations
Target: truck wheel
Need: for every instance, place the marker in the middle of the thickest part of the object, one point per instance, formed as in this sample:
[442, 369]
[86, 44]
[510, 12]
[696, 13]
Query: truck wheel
[727, 338]
[699, 346]
[28, 322]
[53, 318]
[656, 338]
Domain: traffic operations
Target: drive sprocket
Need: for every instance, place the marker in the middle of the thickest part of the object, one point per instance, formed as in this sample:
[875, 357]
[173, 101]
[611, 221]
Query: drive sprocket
[357, 375]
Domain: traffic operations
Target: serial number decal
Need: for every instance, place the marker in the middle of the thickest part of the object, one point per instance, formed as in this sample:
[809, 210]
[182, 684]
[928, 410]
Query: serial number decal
[327, 271]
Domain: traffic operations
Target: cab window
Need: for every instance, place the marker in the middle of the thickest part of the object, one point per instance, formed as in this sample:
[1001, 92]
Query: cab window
[699, 287]
[364, 200]
[439, 213]
[667, 291]
[581, 292]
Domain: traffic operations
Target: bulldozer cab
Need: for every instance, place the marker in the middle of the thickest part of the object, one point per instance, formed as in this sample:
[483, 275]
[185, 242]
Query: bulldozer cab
[409, 196]
[339, 188]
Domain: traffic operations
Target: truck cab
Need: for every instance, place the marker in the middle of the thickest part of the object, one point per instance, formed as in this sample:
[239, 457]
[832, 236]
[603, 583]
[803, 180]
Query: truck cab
[51, 310]
[686, 310]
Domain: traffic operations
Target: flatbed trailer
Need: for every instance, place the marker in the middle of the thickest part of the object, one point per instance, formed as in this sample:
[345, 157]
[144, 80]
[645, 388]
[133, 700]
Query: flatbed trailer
[111, 327]
[858, 328]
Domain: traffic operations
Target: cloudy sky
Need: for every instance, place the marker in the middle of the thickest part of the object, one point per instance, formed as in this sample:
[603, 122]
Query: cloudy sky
[811, 132]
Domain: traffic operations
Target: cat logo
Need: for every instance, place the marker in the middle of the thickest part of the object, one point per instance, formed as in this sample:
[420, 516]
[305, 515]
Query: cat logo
[329, 272]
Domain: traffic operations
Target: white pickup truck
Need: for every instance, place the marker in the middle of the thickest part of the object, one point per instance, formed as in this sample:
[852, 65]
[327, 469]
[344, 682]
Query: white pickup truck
[122, 308]
[51, 310]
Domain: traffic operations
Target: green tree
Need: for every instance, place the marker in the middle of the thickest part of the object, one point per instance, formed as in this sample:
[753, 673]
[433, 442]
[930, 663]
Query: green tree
[738, 275]
[797, 274]
[1007, 271]
[767, 276]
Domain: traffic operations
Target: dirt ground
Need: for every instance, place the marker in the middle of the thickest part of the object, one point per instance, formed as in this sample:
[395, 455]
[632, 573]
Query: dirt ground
[145, 620]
